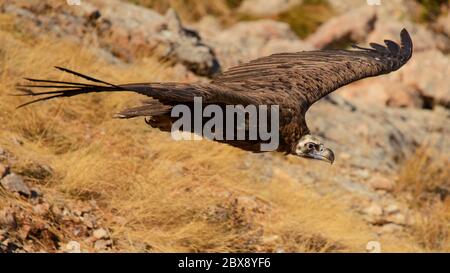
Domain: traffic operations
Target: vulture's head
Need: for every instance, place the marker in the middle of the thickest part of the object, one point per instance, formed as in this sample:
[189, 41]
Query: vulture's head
[311, 147]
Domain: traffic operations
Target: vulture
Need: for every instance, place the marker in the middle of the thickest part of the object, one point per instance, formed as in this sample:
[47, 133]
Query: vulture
[292, 81]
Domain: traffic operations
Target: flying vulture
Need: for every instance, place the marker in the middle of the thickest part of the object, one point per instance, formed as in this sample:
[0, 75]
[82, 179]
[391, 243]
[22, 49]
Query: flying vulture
[293, 81]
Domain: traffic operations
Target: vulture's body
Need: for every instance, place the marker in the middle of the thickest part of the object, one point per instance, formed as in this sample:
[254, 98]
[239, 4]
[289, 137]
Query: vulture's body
[293, 81]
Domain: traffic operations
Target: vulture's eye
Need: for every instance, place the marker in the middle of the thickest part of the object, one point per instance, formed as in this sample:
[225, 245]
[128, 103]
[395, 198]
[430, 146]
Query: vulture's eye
[310, 145]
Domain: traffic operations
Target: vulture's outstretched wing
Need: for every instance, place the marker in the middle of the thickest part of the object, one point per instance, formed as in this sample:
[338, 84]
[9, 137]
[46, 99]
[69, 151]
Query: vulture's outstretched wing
[286, 79]
[306, 77]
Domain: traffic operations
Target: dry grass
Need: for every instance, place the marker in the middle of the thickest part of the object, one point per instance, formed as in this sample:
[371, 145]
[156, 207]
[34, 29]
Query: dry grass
[425, 180]
[157, 194]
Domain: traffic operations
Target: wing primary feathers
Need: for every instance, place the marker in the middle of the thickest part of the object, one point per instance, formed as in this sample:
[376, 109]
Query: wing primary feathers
[406, 45]
[379, 48]
[393, 47]
[363, 48]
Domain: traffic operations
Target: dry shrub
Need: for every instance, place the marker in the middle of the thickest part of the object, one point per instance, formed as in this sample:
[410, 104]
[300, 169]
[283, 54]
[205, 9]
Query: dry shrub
[425, 181]
[425, 175]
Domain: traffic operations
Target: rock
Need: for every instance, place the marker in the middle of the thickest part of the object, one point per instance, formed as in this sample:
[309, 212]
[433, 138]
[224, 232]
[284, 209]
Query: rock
[343, 30]
[374, 210]
[344, 6]
[4, 170]
[396, 218]
[383, 135]
[14, 183]
[73, 247]
[100, 234]
[391, 209]
[186, 45]
[102, 244]
[388, 92]
[428, 72]
[250, 40]
[265, 8]
[89, 220]
[382, 183]
[423, 38]
[390, 228]
[373, 213]
[41, 209]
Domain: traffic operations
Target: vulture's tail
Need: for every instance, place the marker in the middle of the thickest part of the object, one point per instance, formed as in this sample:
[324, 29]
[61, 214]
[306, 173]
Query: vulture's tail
[65, 89]
[170, 92]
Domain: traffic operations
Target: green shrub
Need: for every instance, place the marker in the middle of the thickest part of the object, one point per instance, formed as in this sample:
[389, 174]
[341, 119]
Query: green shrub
[306, 17]
[431, 9]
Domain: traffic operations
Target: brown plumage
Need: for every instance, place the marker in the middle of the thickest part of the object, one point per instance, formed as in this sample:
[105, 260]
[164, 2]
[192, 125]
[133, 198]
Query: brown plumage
[294, 81]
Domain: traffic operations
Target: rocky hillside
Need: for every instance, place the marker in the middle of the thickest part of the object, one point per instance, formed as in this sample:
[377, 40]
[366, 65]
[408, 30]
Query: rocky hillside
[74, 179]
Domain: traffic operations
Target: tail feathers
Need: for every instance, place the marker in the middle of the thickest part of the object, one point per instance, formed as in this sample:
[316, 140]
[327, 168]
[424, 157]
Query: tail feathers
[173, 92]
[150, 108]
[85, 76]
[59, 93]
[65, 89]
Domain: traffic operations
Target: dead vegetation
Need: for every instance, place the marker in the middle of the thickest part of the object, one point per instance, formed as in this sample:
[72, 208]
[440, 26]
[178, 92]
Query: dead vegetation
[424, 181]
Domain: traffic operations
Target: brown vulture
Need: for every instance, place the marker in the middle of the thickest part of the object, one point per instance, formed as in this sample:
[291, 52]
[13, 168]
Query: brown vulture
[293, 81]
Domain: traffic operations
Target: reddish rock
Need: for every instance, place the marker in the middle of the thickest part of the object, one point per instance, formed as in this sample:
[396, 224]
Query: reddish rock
[250, 40]
[342, 29]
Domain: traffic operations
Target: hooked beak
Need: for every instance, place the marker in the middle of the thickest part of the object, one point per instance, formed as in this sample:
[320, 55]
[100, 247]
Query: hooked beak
[326, 155]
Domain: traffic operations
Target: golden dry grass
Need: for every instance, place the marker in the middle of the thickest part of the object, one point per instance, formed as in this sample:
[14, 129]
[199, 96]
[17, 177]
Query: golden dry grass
[424, 179]
[157, 194]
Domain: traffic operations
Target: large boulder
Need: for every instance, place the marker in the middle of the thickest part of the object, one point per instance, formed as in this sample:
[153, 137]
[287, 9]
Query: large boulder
[383, 92]
[421, 83]
[428, 72]
[250, 40]
[377, 138]
[342, 29]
